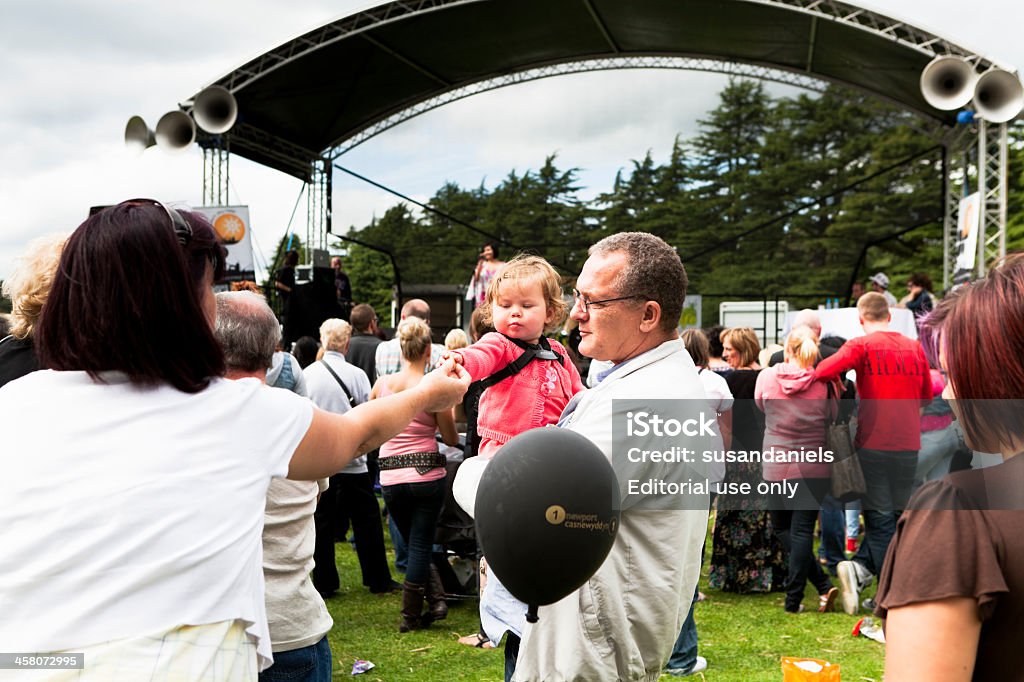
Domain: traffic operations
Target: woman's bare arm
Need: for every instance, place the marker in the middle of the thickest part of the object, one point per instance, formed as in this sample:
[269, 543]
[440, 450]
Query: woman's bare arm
[333, 440]
[935, 641]
[446, 425]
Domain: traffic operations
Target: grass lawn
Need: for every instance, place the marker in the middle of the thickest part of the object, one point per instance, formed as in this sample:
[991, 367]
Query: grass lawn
[742, 636]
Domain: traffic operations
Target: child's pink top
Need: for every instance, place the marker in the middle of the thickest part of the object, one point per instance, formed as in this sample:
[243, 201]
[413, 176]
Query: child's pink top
[418, 436]
[534, 397]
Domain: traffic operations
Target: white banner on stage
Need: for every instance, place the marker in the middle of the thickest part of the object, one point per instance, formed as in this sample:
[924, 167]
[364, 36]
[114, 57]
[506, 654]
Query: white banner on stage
[231, 223]
[968, 226]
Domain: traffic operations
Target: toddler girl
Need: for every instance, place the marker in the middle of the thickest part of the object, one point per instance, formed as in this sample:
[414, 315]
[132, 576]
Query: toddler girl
[524, 300]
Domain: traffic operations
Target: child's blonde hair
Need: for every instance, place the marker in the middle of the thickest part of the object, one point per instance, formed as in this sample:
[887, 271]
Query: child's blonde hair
[527, 269]
[802, 344]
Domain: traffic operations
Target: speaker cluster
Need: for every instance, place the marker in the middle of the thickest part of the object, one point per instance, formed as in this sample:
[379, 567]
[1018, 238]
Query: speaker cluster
[214, 110]
[950, 82]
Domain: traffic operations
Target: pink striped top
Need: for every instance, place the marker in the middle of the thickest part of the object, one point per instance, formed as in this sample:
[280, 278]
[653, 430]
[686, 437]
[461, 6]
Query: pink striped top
[418, 436]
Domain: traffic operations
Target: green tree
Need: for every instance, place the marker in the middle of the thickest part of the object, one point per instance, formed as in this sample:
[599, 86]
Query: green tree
[1015, 189]
[370, 269]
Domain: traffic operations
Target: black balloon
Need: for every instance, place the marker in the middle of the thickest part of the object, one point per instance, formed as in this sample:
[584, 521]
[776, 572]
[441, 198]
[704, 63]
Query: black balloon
[547, 513]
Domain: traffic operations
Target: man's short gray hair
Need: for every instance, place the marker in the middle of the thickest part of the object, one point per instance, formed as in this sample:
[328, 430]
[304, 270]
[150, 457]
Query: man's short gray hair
[335, 334]
[653, 270]
[247, 330]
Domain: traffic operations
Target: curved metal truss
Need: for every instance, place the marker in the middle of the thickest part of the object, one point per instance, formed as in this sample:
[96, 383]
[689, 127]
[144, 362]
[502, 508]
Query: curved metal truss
[899, 31]
[336, 30]
[740, 69]
[830, 10]
[314, 165]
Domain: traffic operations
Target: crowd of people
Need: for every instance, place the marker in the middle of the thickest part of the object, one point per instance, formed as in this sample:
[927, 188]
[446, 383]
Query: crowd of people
[210, 470]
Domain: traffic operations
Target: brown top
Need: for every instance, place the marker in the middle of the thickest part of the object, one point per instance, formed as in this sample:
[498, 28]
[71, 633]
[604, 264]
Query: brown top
[963, 536]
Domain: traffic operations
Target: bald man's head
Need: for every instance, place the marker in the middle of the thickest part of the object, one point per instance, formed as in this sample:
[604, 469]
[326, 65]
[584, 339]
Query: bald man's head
[808, 318]
[416, 307]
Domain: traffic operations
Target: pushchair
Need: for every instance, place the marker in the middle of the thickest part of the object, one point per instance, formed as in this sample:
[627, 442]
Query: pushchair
[456, 555]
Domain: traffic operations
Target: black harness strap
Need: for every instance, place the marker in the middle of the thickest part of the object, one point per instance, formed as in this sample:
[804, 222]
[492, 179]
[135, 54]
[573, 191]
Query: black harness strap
[471, 403]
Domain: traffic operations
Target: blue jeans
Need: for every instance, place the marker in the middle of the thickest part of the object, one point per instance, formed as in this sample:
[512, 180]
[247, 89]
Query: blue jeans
[415, 508]
[889, 476]
[512, 642]
[795, 529]
[833, 536]
[308, 664]
[398, 543]
[853, 519]
[684, 653]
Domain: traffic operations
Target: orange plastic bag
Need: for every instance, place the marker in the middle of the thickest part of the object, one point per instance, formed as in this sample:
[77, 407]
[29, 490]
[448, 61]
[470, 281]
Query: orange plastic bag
[808, 670]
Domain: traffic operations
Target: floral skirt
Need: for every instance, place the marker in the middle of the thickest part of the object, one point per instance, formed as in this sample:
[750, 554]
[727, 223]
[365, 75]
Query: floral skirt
[746, 556]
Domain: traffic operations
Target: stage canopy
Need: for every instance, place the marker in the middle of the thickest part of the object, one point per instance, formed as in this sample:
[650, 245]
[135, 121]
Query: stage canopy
[334, 87]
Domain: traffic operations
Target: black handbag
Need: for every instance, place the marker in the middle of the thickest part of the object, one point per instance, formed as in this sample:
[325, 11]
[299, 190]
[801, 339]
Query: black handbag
[847, 482]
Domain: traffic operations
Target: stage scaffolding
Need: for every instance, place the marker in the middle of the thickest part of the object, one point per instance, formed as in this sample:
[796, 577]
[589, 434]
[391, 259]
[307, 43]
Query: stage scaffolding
[841, 43]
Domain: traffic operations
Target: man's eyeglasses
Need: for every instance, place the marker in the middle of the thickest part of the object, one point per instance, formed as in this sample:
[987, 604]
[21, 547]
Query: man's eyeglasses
[585, 303]
[182, 230]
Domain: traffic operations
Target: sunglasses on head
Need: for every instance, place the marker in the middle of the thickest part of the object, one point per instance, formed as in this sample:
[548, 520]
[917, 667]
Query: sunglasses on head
[182, 230]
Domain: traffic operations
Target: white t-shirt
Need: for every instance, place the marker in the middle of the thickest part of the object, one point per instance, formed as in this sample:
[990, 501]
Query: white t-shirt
[720, 400]
[716, 388]
[296, 613]
[129, 510]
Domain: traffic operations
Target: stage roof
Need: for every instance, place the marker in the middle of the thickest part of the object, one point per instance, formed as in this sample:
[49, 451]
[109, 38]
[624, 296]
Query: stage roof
[325, 91]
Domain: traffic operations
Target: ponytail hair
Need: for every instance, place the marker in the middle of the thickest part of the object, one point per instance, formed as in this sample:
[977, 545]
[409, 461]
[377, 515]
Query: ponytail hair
[413, 336]
[802, 346]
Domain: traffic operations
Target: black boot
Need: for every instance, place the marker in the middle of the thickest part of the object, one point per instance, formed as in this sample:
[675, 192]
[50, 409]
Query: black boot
[438, 607]
[412, 606]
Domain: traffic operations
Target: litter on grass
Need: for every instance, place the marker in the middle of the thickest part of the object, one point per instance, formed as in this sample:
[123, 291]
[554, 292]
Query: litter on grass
[867, 627]
[360, 667]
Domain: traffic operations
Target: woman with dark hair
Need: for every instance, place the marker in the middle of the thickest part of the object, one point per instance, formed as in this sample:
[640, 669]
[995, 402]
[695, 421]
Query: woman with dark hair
[487, 265]
[135, 479]
[305, 351]
[952, 588]
[715, 350]
[920, 299]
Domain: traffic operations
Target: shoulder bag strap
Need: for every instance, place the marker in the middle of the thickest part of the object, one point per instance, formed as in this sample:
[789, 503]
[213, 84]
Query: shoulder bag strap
[348, 394]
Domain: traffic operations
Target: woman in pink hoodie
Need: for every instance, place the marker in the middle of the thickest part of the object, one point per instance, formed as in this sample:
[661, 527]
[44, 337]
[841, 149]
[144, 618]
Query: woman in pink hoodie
[795, 409]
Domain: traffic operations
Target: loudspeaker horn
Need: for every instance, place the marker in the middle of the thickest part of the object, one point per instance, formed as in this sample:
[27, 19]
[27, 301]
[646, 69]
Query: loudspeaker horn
[215, 110]
[998, 96]
[137, 135]
[948, 82]
[175, 131]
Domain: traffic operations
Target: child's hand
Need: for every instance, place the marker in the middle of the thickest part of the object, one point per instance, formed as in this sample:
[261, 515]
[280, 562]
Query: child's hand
[450, 355]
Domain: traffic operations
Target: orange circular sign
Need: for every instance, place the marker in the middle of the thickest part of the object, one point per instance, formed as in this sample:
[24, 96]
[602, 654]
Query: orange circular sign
[229, 227]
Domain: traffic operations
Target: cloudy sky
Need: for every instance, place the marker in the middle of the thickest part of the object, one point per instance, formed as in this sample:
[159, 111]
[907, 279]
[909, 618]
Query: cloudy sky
[73, 71]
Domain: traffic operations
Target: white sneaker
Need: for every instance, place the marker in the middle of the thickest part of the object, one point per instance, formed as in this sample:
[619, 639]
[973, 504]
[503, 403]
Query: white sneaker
[699, 666]
[853, 578]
